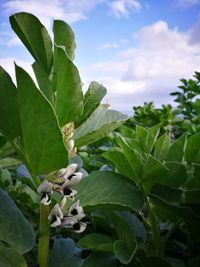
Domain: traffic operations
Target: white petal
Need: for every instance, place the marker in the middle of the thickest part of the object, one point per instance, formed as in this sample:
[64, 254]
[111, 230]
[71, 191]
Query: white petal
[67, 171]
[82, 227]
[72, 179]
[76, 211]
[68, 222]
[56, 223]
[56, 211]
[63, 202]
[45, 187]
[45, 200]
[67, 194]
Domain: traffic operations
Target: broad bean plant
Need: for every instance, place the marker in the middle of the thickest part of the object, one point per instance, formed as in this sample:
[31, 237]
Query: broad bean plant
[135, 205]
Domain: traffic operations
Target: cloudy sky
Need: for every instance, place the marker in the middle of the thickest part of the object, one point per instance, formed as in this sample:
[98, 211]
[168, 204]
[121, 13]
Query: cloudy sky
[139, 49]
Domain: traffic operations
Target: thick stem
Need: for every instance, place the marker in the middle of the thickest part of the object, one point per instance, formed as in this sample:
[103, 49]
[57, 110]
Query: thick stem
[43, 249]
[156, 237]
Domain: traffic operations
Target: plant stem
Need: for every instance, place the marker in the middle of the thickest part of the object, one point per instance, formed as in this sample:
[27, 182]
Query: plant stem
[156, 238]
[43, 236]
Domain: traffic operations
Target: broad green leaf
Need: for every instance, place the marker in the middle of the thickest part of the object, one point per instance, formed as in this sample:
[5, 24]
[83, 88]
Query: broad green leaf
[136, 225]
[43, 81]
[153, 133]
[153, 172]
[167, 193]
[141, 134]
[105, 188]
[133, 157]
[186, 213]
[177, 149]
[192, 152]
[96, 242]
[11, 258]
[177, 174]
[69, 98]
[9, 112]
[100, 123]
[35, 37]
[197, 175]
[192, 196]
[162, 147]
[64, 36]
[117, 157]
[64, 252]
[152, 261]
[101, 259]
[121, 227]
[14, 228]
[43, 142]
[91, 100]
[124, 251]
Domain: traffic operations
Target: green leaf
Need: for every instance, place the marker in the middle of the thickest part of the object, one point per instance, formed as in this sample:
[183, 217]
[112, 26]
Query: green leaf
[177, 174]
[153, 172]
[64, 252]
[137, 227]
[100, 123]
[153, 133]
[133, 157]
[91, 100]
[162, 147]
[117, 157]
[152, 261]
[14, 228]
[43, 81]
[177, 149]
[124, 251]
[64, 36]
[192, 152]
[11, 258]
[192, 196]
[96, 242]
[108, 189]
[191, 218]
[9, 112]
[35, 37]
[43, 142]
[99, 259]
[69, 98]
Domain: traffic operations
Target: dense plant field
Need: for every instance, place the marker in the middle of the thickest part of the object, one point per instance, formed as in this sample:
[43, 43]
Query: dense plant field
[83, 185]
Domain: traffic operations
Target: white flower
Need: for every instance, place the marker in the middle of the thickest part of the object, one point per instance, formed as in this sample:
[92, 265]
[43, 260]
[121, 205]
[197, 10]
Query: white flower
[72, 220]
[66, 172]
[45, 190]
[55, 216]
[76, 211]
[79, 227]
[72, 179]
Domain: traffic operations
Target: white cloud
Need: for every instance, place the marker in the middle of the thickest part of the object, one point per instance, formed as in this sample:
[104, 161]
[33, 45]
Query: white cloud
[71, 10]
[8, 64]
[122, 8]
[113, 45]
[150, 70]
[15, 41]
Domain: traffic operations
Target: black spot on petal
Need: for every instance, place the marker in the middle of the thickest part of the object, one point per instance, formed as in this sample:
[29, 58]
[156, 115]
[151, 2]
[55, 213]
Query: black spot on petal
[74, 212]
[67, 191]
[71, 176]
[54, 218]
[76, 226]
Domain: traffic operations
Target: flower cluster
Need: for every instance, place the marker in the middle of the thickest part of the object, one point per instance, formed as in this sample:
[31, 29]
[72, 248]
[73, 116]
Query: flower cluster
[65, 179]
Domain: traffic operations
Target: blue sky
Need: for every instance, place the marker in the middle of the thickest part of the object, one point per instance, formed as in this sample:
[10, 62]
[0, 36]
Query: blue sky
[139, 49]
